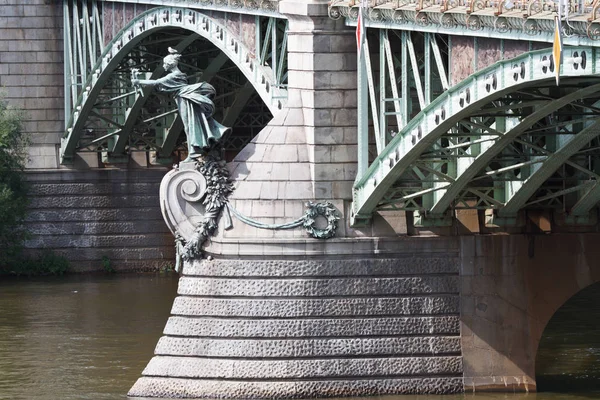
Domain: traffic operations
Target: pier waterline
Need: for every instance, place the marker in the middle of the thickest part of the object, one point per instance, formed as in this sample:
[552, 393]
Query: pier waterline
[88, 337]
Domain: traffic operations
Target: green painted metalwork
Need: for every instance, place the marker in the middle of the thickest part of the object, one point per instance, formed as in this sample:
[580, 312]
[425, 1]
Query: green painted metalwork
[496, 140]
[546, 168]
[500, 140]
[110, 116]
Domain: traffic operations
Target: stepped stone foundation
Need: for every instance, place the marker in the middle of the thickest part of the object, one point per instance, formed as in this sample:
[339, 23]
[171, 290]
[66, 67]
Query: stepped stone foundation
[310, 328]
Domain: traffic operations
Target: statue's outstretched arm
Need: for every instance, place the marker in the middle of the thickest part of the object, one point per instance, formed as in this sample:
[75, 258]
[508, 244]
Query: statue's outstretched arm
[149, 82]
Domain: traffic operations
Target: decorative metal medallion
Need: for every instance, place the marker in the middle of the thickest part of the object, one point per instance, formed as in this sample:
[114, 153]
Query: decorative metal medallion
[325, 210]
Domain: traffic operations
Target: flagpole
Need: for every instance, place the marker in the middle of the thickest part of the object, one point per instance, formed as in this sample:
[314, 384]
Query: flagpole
[557, 44]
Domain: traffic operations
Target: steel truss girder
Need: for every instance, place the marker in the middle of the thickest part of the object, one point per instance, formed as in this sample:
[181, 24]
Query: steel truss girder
[439, 118]
[263, 76]
[546, 169]
[83, 43]
[501, 142]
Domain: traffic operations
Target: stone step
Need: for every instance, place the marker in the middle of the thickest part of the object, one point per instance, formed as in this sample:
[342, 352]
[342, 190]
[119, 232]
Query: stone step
[214, 368]
[175, 387]
[308, 347]
[310, 328]
[323, 287]
[407, 265]
[316, 307]
[288, 328]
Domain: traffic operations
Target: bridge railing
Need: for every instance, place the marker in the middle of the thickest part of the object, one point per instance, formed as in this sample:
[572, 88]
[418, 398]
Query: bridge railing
[475, 17]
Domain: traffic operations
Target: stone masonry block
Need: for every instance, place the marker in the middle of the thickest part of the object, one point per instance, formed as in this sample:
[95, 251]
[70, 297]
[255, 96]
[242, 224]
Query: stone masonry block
[295, 190]
[281, 153]
[303, 153]
[328, 171]
[300, 61]
[294, 328]
[344, 153]
[411, 264]
[342, 190]
[299, 172]
[343, 42]
[260, 172]
[290, 369]
[252, 152]
[302, 79]
[262, 208]
[335, 80]
[177, 388]
[295, 135]
[295, 117]
[343, 347]
[318, 287]
[281, 171]
[247, 190]
[269, 190]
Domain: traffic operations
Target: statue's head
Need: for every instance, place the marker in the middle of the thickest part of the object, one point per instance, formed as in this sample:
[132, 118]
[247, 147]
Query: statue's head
[171, 61]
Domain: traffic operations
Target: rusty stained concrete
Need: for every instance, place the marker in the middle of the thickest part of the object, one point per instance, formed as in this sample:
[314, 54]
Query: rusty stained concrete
[469, 55]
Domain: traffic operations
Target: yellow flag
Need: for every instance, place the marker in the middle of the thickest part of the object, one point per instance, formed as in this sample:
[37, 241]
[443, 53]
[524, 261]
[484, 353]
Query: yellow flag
[557, 49]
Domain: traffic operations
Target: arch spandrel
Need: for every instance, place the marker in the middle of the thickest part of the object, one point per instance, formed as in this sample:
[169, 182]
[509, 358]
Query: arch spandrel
[517, 85]
[265, 81]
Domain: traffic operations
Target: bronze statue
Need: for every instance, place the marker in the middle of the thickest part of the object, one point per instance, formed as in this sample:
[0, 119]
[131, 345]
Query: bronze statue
[195, 105]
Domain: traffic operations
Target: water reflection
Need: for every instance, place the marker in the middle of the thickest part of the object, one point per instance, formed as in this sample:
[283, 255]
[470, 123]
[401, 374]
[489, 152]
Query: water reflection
[89, 337]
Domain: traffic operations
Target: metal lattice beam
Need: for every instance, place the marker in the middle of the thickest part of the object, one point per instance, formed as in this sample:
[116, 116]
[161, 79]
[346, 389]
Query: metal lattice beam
[501, 141]
[108, 77]
[518, 199]
[439, 125]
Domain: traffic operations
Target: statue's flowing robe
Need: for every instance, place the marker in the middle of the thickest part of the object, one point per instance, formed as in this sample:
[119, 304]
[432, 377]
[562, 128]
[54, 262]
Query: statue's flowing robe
[195, 109]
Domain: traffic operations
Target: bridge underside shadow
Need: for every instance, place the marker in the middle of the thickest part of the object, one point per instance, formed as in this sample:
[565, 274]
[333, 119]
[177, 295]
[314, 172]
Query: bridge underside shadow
[511, 286]
[568, 355]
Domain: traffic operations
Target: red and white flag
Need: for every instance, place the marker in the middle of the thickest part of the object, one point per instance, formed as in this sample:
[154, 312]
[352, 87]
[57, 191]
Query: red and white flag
[361, 30]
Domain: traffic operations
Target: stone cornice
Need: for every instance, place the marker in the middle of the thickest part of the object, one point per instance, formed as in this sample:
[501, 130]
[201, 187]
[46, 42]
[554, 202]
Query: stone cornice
[257, 7]
[534, 19]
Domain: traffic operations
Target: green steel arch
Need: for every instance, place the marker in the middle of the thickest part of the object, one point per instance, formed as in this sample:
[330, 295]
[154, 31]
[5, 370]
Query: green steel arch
[512, 107]
[264, 78]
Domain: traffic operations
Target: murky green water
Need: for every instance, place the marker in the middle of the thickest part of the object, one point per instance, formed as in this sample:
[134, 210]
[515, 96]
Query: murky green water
[89, 337]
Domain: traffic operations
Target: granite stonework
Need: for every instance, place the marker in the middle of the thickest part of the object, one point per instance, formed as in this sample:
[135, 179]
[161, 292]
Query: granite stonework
[284, 328]
[276, 313]
[111, 214]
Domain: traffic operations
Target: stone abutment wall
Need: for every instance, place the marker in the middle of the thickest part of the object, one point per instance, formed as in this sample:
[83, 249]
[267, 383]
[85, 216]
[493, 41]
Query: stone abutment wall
[86, 211]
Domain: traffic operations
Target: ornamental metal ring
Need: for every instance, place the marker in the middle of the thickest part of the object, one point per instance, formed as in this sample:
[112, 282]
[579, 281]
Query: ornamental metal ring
[326, 210]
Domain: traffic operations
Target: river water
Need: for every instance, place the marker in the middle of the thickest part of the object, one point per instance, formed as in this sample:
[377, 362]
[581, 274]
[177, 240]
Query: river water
[89, 337]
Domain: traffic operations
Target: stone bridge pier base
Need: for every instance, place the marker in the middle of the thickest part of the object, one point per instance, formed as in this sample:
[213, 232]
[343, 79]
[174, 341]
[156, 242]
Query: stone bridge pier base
[279, 314]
